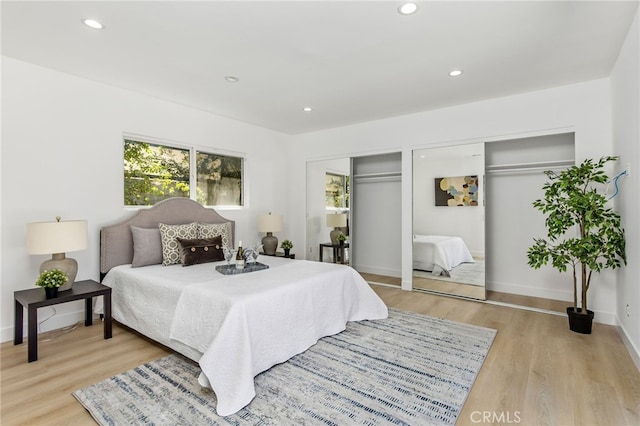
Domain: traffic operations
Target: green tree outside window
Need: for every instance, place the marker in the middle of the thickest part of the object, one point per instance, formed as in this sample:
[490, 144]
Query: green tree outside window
[154, 172]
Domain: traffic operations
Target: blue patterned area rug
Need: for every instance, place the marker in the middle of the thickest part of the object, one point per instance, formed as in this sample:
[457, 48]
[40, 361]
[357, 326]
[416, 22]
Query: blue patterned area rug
[408, 369]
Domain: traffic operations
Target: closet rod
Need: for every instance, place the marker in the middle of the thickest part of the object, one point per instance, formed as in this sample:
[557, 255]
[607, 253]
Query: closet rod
[527, 170]
[379, 179]
[377, 175]
[517, 167]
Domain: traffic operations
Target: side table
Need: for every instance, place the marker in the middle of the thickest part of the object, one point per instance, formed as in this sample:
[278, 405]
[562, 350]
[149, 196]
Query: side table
[34, 298]
[279, 254]
[338, 251]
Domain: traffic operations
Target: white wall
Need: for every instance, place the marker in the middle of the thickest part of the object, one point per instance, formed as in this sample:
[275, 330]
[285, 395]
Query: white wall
[583, 108]
[625, 94]
[62, 155]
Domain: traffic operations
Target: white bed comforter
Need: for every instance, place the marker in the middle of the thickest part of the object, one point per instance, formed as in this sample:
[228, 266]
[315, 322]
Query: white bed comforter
[439, 254]
[244, 324]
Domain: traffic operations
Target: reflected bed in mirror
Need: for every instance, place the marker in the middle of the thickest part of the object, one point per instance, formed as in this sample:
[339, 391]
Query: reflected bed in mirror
[448, 240]
[442, 263]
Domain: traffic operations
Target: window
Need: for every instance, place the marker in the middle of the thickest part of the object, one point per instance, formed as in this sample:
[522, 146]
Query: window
[154, 172]
[337, 191]
[219, 179]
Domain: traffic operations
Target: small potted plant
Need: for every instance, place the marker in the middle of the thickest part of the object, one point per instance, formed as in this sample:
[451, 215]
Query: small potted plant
[341, 239]
[286, 246]
[51, 281]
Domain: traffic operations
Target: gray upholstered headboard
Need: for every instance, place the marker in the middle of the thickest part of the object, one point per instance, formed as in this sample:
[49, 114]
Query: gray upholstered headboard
[116, 241]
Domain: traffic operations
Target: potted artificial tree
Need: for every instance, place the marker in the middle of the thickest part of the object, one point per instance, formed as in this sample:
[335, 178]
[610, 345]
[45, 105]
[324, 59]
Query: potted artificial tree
[572, 200]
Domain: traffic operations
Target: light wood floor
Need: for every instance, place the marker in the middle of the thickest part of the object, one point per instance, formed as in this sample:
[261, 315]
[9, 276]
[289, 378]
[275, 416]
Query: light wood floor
[529, 301]
[536, 373]
[439, 286]
[474, 292]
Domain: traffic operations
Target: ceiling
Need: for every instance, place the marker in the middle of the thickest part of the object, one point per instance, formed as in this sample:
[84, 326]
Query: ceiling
[351, 61]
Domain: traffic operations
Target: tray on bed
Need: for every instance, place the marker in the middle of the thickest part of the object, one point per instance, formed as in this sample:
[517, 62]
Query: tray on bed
[249, 267]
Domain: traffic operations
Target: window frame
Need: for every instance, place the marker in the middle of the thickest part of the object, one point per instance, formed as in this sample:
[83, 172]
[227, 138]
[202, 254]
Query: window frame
[193, 150]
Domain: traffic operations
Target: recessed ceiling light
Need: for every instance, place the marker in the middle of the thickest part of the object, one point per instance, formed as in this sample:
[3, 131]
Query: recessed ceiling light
[407, 8]
[231, 79]
[455, 73]
[92, 23]
[307, 109]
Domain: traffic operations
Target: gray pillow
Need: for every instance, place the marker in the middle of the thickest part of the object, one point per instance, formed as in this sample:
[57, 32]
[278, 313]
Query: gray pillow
[147, 246]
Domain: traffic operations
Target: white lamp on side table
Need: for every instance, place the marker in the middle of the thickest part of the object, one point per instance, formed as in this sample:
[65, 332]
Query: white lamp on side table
[270, 223]
[56, 238]
[336, 221]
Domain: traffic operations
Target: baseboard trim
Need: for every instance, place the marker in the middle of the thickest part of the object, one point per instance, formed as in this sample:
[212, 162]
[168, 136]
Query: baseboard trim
[55, 322]
[395, 273]
[382, 284]
[523, 307]
[634, 352]
[530, 291]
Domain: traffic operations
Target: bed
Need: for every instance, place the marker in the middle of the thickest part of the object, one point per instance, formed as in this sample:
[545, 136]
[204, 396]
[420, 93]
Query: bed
[234, 326]
[439, 254]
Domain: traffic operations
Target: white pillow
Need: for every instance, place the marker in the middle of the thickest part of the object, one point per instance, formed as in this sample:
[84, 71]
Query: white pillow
[171, 249]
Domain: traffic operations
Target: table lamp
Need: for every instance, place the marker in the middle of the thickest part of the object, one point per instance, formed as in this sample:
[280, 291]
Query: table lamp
[56, 238]
[270, 223]
[336, 221]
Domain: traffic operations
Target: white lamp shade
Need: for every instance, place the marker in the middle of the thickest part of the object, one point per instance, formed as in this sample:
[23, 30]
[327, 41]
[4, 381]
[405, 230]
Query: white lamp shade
[56, 237]
[270, 223]
[336, 220]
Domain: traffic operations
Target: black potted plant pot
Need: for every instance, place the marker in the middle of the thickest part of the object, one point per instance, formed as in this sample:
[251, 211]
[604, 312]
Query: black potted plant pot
[286, 252]
[579, 322]
[51, 292]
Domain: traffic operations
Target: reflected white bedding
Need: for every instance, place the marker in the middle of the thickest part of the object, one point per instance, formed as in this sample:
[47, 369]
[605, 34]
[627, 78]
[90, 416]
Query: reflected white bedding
[240, 325]
[439, 254]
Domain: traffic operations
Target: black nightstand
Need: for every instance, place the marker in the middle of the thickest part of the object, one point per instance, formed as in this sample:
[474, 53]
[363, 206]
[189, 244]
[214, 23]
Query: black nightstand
[338, 251]
[280, 254]
[34, 298]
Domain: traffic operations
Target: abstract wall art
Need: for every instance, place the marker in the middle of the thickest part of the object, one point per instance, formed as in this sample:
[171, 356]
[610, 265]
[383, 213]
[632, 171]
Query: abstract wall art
[456, 191]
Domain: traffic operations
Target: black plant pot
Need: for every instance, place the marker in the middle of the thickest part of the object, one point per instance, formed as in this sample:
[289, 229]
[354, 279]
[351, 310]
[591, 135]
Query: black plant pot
[579, 322]
[51, 292]
[286, 252]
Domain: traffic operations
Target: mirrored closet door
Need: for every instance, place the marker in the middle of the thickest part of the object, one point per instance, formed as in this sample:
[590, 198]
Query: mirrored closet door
[449, 220]
[328, 210]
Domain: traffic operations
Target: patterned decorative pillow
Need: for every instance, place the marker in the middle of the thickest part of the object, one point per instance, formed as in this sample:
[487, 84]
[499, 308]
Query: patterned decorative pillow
[210, 230]
[201, 250]
[171, 250]
[147, 246]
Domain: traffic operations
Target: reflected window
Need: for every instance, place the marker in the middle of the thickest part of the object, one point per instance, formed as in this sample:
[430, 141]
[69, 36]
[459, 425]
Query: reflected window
[337, 191]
